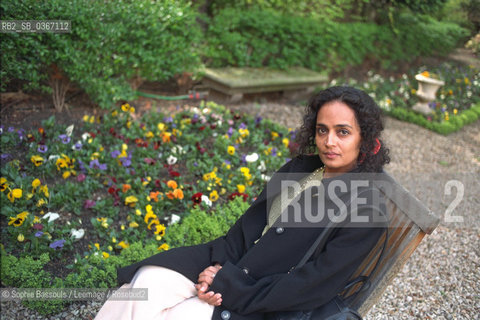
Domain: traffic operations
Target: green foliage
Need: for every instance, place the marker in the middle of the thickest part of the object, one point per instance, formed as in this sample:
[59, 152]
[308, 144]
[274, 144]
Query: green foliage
[111, 46]
[201, 226]
[258, 38]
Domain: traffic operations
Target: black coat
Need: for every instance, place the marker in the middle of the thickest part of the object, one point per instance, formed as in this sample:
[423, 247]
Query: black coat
[255, 278]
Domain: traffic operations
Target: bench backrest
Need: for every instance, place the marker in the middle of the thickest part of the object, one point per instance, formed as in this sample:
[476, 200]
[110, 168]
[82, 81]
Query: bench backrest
[409, 221]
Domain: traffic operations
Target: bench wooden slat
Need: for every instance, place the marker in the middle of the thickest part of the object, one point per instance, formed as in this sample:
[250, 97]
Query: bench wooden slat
[409, 221]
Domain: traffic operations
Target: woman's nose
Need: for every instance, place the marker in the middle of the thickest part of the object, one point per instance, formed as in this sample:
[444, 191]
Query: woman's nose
[330, 140]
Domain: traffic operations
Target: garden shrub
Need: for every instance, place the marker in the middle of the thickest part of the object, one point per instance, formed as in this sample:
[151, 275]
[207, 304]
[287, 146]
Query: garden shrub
[202, 226]
[111, 46]
[256, 38]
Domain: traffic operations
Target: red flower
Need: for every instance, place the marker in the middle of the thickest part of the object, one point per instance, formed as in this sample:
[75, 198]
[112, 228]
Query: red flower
[93, 135]
[37, 226]
[238, 194]
[197, 198]
[174, 173]
[156, 145]
[149, 161]
[113, 190]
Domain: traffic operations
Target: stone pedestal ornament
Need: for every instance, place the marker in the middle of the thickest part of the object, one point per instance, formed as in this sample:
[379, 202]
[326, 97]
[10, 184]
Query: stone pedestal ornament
[427, 89]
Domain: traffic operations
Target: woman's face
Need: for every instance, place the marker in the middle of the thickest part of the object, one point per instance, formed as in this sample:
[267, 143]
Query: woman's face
[337, 137]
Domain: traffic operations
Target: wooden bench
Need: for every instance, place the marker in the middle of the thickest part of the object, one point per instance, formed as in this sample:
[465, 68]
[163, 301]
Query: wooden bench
[235, 82]
[409, 222]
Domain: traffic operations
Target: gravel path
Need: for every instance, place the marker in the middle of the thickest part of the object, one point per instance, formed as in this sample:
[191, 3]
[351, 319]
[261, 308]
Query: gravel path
[441, 279]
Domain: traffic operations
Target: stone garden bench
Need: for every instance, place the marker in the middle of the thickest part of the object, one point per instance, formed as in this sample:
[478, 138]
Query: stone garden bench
[235, 82]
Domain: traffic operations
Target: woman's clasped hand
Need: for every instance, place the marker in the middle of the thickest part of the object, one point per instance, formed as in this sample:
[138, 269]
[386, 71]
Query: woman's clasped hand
[205, 279]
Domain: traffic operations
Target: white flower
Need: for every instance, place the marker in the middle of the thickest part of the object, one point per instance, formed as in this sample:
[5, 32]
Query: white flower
[52, 216]
[69, 130]
[469, 94]
[265, 177]
[206, 200]
[53, 157]
[251, 157]
[177, 149]
[171, 160]
[85, 136]
[77, 234]
[262, 167]
[206, 110]
[174, 219]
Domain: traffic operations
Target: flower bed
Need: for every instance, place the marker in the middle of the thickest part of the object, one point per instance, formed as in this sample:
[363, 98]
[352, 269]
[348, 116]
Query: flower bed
[457, 103]
[78, 202]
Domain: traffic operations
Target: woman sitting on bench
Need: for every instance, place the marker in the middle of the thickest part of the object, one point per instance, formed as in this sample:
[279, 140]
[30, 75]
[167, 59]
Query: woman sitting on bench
[249, 272]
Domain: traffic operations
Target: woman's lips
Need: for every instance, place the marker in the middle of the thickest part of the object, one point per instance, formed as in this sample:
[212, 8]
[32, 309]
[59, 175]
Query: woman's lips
[331, 155]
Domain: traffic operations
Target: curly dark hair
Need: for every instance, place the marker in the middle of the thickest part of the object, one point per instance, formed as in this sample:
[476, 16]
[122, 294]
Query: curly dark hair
[369, 118]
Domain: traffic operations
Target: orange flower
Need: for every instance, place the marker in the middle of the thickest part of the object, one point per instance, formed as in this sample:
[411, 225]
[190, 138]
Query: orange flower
[126, 187]
[171, 195]
[154, 195]
[166, 137]
[178, 193]
[172, 184]
[425, 74]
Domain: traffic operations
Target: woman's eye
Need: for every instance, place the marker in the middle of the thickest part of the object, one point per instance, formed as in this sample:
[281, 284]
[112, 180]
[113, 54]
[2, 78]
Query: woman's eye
[321, 130]
[344, 132]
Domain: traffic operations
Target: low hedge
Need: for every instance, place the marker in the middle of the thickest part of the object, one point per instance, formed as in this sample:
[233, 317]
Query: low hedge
[455, 123]
[258, 38]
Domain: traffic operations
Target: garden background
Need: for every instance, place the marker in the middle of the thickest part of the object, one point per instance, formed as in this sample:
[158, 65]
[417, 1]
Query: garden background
[94, 177]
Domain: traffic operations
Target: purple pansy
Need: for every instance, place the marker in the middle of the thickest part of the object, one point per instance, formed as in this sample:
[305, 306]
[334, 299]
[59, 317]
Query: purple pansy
[42, 148]
[243, 126]
[64, 138]
[94, 164]
[58, 244]
[114, 153]
[38, 234]
[78, 146]
[230, 132]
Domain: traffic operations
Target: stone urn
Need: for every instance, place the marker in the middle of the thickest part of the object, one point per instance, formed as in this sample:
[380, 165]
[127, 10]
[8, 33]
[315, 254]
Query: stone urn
[427, 89]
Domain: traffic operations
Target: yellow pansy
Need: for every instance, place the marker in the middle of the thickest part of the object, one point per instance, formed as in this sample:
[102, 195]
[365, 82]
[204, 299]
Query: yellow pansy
[241, 188]
[123, 244]
[149, 134]
[41, 202]
[15, 194]
[37, 160]
[285, 142]
[274, 135]
[21, 237]
[3, 184]
[163, 247]
[213, 196]
[231, 150]
[36, 183]
[131, 201]
[149, 215]
[105, 255]
[97, 246]
[243, 132]
[133, 224]
[160, 229]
